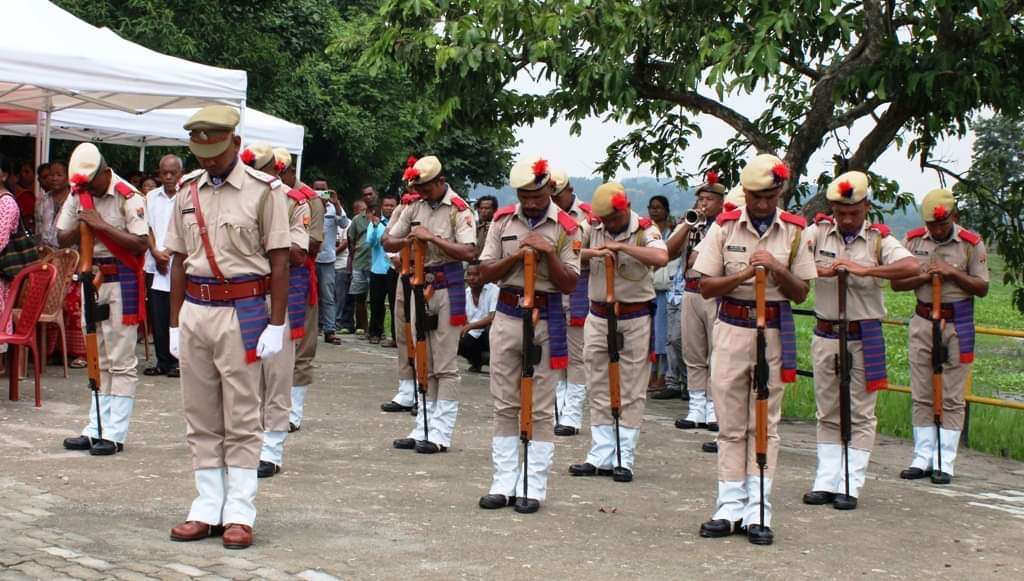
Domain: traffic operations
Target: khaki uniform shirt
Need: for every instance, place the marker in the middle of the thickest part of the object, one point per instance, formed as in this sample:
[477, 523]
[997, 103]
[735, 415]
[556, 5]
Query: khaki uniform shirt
[864, 298]
[955, 251]
[634, 280]
[583, 220]
[504, 236]
[703, 229]
[317, 211]
[299, 220]
[481, 235]
[728, 247]
[246, 216]
[444, 220]
[128, 214]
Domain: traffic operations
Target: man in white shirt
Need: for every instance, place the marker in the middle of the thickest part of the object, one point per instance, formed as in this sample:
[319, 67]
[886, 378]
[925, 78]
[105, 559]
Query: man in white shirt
[159, 211]
[481, 302]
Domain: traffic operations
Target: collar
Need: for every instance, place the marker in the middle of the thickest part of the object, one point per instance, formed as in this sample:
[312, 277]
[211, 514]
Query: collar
[160, 192]
[552, 215]
[862, 233]
[954, 237]
[629, 231]
[234, 178]
[446, 199]
[114, 178]
[574, 208]
[746, 219]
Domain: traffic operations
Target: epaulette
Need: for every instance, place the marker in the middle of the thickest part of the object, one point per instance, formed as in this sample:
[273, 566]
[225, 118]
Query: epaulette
[645, 223]
[502, 212]
[266, 178]
[587, 209]
[307, 191]
[459, 203]
[567, 222]
[916, 233]
[822, 217]
[881, 229]
[793, 219]
[410, 198]
[728, 217]
[594, 220]
[189, 177]
[297, 195]
[125, 189]
[971, 238]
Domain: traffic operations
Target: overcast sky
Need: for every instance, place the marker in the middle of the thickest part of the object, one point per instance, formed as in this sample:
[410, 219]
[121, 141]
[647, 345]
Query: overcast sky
[580, 156]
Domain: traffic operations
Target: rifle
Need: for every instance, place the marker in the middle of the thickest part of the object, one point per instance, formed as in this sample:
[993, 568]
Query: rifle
[419, 281]
[615, 342]
[410, 344]
[843, 364]
[761, 381]
[94, 313]
[939, 357]
[531, 357]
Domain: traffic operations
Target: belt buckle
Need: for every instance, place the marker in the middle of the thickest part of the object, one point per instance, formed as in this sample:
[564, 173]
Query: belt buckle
[429, 278]
[204, 292]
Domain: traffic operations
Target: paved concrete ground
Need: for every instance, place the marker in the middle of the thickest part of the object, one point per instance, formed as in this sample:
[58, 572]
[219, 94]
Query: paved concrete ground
[350, 506]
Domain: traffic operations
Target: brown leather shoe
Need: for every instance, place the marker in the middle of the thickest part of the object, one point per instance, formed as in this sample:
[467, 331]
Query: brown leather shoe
[237, 536]
[194, 530]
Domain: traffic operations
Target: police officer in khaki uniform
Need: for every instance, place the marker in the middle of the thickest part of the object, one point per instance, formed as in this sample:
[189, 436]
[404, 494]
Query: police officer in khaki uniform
[571, 391]
[762, 235]
[405, 399]
[306, 350]
[698, 313]
[958, 255]
[116, 213]
[870, 255]
[229, 231]
[637, 247]
[278, 371]
[534, 224]
[445, 222]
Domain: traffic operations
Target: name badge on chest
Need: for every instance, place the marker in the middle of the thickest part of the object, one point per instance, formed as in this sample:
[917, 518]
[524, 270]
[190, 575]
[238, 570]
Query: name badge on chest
[827, 253]
[736, 248]
[188, 211]
[922, 253]
[509, 237]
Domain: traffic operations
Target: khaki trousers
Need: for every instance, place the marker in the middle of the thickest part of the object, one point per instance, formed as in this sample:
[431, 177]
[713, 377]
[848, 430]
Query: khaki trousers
[506, 368]
[824, 353]
[118, 363]
[220, 391]
[306, 350]
[577, 370]
[634, 369]
[442, 350]
[954, 376]
[276, 387]
[697, 319]
[733, 359]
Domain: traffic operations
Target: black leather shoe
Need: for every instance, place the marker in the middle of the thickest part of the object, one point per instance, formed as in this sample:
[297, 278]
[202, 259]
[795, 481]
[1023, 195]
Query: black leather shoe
[667, 393]
[496, 501]
[843, 502]
[155, 370]
[709, 447]
[818, 497]
[719, 527]
[105, 448]
[712, 426]
[395, 407]
[428, 447]
[940, 477]
[561, 430]
[293, 428]
[78, 443]
[267, 469]
[684, 424]
[913, 473]
[404, 444]
[176, 372]
[620, 474]
[588, 469]
[759, 535]
[526, 506]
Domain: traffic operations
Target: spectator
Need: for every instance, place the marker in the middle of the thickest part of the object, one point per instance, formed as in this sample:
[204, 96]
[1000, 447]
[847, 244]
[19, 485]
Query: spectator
[9, 214]
[135, 179]
[359, 263]
[49, 204]
[148, 185]
[43, 177]
[485, 208]
[25, 194]
[658, 211]
[343, 273]
[383, 277]
[159, 211]
[481, 302]
[325, 265]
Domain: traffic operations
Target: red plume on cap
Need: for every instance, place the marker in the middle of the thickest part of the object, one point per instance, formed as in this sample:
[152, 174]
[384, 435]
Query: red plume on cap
[711, 177]
[410, 198]
[279, 166]
[940, 213]
[781, 172]
[79, 179]
[619, 201]
[845, 189]
[411, 161]
[729, 206]
[540, 169]
[248, 157]
[410, 174]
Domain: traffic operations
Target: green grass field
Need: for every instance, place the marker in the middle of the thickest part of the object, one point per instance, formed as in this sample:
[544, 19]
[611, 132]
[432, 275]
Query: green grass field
[998, 372]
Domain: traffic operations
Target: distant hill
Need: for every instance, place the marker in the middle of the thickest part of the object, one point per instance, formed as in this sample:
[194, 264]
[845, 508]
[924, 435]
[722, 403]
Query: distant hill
[642, 189]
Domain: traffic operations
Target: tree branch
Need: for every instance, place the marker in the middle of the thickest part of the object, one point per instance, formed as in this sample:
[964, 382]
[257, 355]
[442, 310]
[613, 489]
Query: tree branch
[865, 108]
[878, 139]
[800, 66]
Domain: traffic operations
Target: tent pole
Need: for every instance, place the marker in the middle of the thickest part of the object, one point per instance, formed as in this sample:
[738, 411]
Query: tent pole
[298, 167]
[142, 157]
[241, 121]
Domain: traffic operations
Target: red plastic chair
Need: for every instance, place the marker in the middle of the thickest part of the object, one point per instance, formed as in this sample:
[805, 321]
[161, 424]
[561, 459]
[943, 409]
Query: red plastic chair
[32, 285]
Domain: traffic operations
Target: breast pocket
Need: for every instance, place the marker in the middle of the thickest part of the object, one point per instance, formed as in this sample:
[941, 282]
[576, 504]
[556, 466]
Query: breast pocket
[241, 235]
[631, 269]
[735, 261]
[509, 244]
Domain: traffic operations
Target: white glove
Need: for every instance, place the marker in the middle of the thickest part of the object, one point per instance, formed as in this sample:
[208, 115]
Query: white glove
[271, 340]
[175, 341]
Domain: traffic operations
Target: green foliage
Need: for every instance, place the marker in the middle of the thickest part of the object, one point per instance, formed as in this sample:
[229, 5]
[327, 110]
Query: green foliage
[915, 67]
[361, 124]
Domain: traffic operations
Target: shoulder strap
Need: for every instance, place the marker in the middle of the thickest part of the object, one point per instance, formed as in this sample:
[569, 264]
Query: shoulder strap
[193, 192]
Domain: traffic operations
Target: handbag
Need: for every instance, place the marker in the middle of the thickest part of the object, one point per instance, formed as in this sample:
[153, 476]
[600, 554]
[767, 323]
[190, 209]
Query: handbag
[20, 251]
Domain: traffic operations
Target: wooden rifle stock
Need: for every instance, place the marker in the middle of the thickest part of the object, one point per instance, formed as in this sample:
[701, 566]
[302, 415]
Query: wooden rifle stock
[529, 350]
[938, 355]
[761, 370]
[843, 364]
[614, 346]
[419, 280]
[410, 344]
[90, 284]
